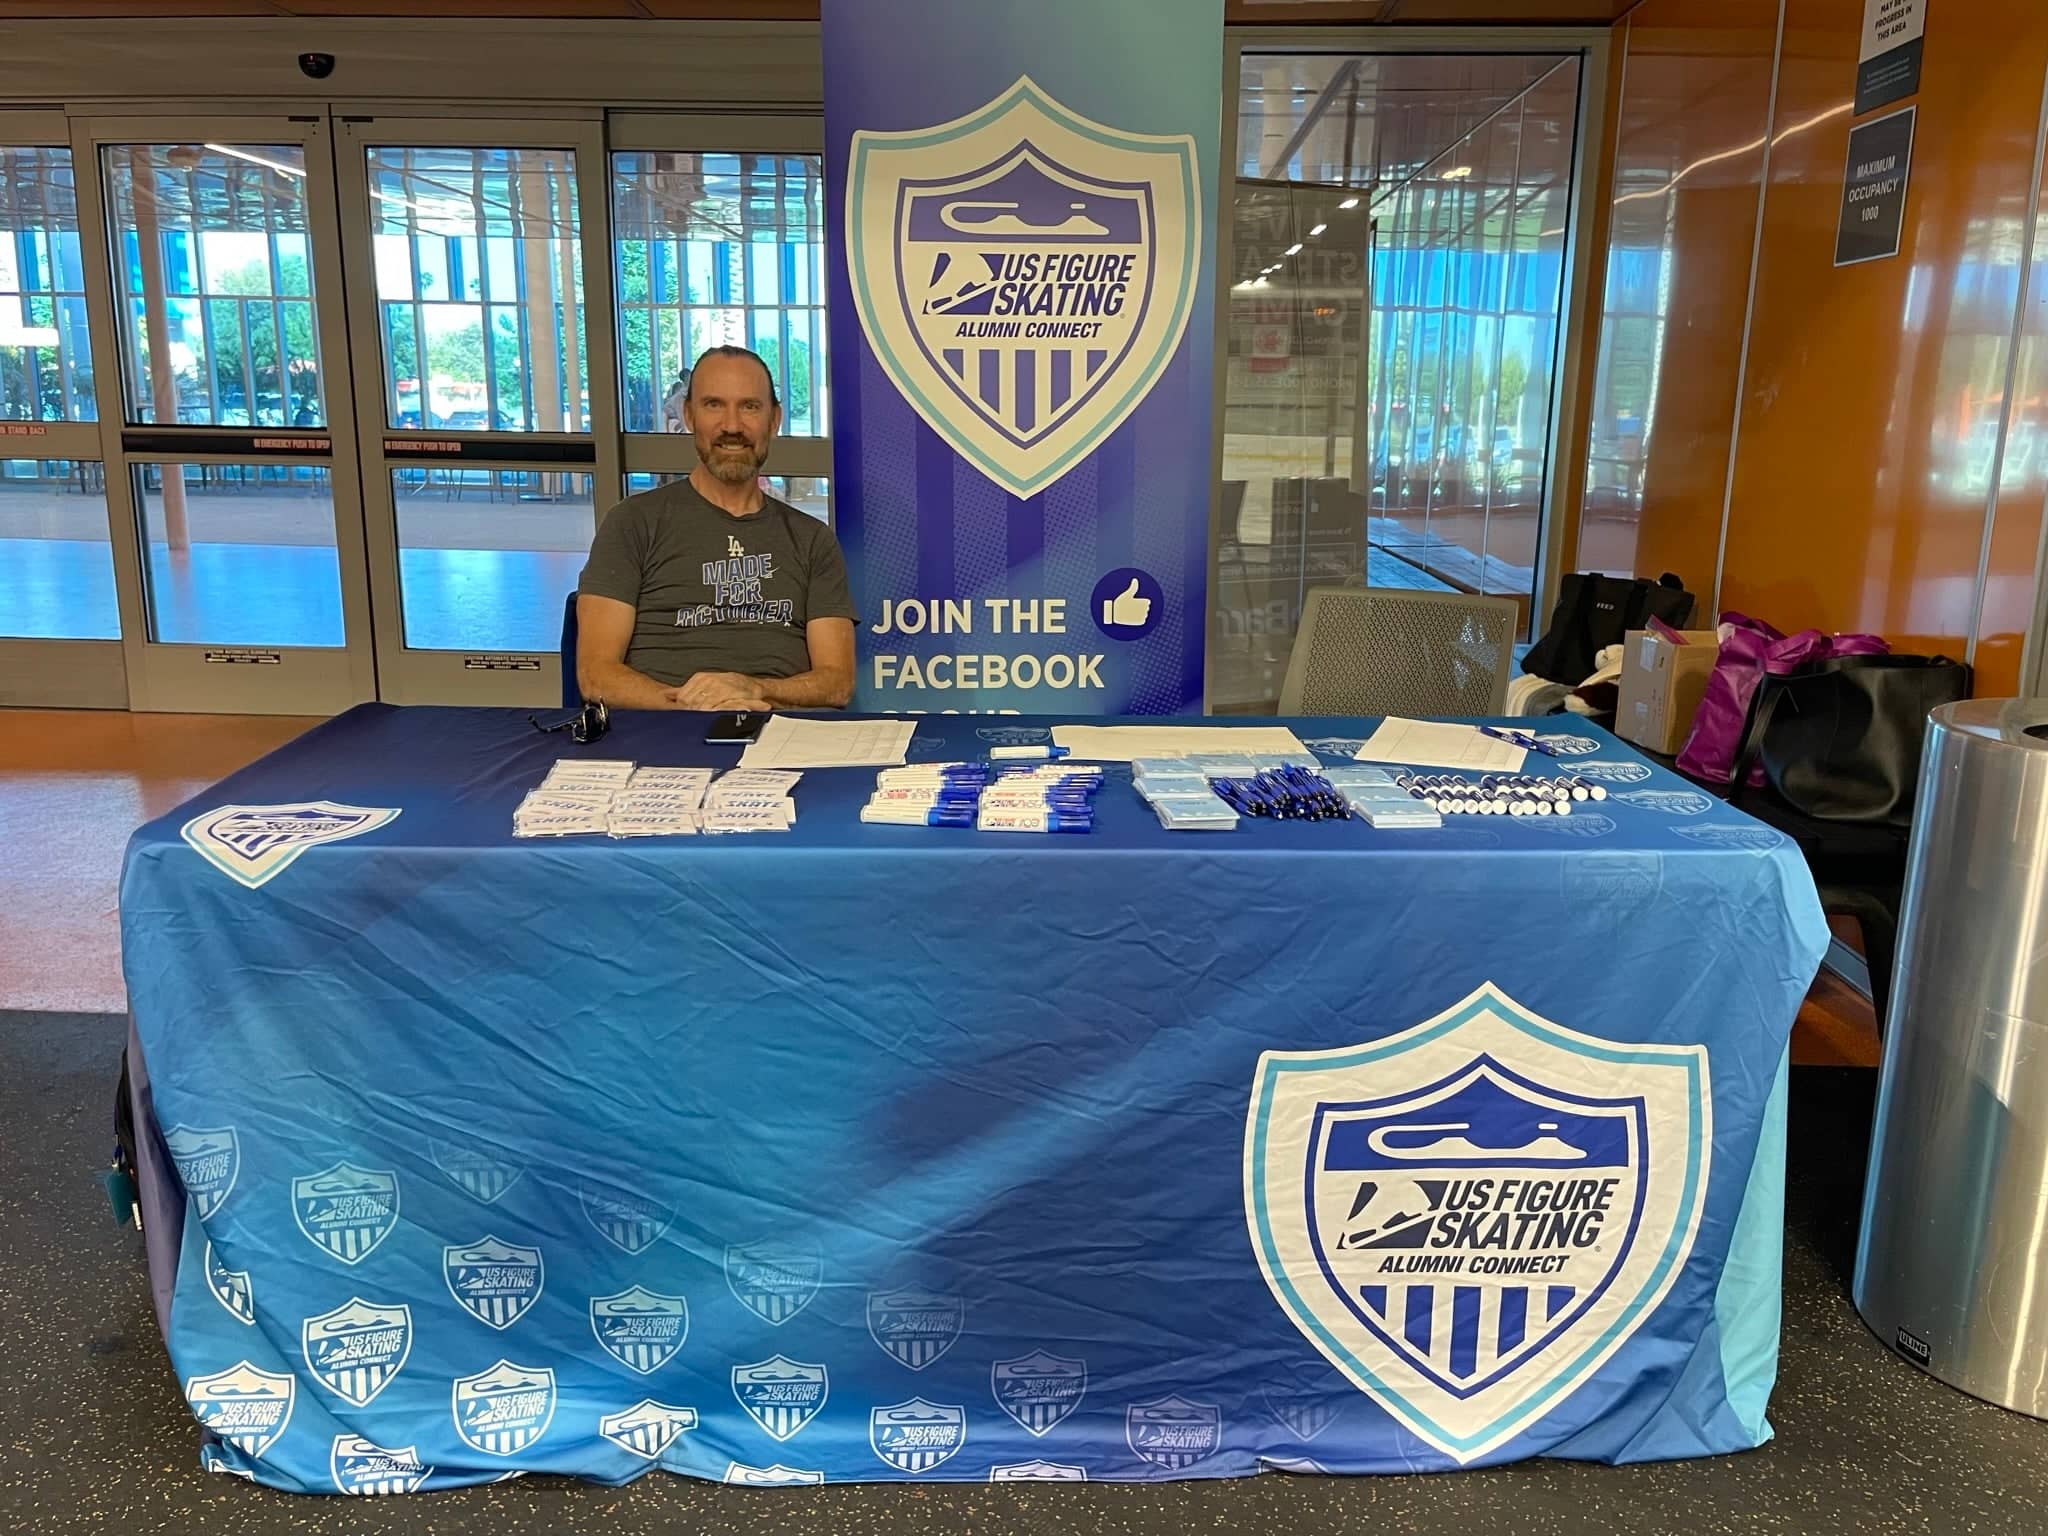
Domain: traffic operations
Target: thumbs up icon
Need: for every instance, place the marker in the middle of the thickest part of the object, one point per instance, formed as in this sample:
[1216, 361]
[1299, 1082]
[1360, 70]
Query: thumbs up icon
[1127, 609]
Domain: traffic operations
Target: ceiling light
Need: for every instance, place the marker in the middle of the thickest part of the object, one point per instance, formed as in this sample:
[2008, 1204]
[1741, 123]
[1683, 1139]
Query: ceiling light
[1293, 250]
[1456, 173]
[1349, 202]
[1317, 230]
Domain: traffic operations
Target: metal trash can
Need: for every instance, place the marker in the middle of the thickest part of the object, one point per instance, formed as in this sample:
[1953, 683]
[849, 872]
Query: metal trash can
[1952, 1269]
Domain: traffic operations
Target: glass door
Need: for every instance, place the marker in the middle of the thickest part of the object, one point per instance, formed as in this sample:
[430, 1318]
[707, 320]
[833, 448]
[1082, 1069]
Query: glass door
[230, 470]
[485, 384]
[60, 607]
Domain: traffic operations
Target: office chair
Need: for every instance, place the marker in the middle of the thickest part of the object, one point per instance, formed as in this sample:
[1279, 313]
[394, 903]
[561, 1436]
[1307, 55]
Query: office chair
[1379, 651]
[572, 696]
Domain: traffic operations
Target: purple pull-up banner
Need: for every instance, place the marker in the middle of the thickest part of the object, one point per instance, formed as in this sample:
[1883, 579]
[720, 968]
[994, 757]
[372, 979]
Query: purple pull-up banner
[1022, 331]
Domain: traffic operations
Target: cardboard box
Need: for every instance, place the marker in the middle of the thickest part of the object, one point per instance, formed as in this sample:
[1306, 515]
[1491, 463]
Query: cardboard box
[1661, 685]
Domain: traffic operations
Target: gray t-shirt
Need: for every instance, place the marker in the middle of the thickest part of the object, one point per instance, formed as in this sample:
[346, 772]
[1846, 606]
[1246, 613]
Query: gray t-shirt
[714, 592]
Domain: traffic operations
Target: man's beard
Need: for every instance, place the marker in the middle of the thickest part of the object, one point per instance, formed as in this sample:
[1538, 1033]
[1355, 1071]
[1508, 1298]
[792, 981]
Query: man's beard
[735, 463]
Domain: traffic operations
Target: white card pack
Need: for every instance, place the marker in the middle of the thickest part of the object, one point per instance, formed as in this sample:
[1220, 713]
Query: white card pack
[777, 781]
[748, 819]
[594, 770]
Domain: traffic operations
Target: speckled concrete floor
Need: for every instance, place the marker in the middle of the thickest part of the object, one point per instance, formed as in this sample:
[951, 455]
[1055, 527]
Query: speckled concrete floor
[93, 1437]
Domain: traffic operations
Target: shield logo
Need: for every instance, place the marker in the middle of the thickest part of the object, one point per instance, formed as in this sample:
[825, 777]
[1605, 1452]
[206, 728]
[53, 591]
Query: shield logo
[916, 1436]
[780, 1394]
[474, 1170]
[1672, 802]
[505, 1409]
[639, 1328]
[1612, 773]
[628, 1222]
[1568, 743]
[1014, 735]
[362, 1466]
[777, 1476]
[1628, 879]
[207, 1159]
[345, 1209]
[356, 1349]
[914, 1327]
[1038, 1472]
[494, 1281]
[1467, 1218]
[1749, 839]
[773, 1280]
[1172, 1433]
[1038, 1389]
[1583, 827]
[254, 843]
[1344, 748]
[212, 1460]
[246, 1407]
[1304, 1403]
[1023, 274]
[231, 1288]
[647, 1428]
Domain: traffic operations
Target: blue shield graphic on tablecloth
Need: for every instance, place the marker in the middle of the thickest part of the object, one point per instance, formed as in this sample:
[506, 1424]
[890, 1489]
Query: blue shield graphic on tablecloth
[780, 1394]
[494, 1281]
[1039, 1389]
[777, 1476]
[478, 1170]
[1672, 802]
[1024, 275]
[1467, 1218]
[1301, 1408]
[639, 1328]
[502, 1411]
[231, 1288]
[1014, 735]
[1582, 827]
[774, 1280]
[1612, 773]
[246, 1407]
[207, 1159]
[362, 1466]
[1749, 838]
[627, 1221]
[916, 1436]
[1173, 1433]
[1568, 743]
[914, 1326]
[345, 1209]
[356, 1349]
[647, 1428]
[254, 843]
[1038, 1472]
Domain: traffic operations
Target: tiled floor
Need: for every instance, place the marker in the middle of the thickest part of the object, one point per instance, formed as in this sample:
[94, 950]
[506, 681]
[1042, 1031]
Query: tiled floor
[73, 785]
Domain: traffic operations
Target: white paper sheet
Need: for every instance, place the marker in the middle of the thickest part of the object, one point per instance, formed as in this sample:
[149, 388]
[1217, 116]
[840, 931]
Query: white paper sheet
[1439, 744]
[1122, 743]
[797, 741]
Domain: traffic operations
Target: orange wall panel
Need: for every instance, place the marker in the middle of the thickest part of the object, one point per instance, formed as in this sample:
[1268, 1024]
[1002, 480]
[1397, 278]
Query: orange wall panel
[1689, 152]
[1855, 505]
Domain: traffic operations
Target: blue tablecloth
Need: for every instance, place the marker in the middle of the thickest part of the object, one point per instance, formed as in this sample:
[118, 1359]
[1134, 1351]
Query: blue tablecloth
[878, 1152]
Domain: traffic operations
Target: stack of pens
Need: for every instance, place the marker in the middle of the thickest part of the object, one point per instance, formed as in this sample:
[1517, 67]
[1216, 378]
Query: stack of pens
[1180, 796]
[1500, 794]
[927, 795]
[1050, 797]
[1292, 793]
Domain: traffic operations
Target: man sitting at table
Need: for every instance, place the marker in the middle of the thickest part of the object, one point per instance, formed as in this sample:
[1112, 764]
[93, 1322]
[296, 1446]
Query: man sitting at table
[707, 594]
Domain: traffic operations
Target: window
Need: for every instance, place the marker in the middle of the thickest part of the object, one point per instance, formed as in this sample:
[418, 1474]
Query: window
[45, 357]
[479, 289]
[216, 308]
[56, 563]
[719, 250]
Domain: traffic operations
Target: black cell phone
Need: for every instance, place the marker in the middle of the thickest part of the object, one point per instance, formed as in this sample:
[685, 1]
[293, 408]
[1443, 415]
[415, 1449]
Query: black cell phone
[735, 727]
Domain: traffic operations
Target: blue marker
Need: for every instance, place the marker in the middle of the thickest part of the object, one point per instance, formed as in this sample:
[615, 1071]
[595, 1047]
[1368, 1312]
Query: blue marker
[1520, 739]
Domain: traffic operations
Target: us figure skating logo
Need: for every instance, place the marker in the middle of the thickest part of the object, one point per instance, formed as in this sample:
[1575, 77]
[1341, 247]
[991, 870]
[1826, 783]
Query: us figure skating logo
[356, 1349]
[780, 1394]
[1470, 1217]
[492, 1280]
[647, 1428]
[207, 1159]
[1173, 1433]
[505, 1409]
[1023, 274]
[773, 1280]
[345, 1209]
[916, 1436]
[913, 1326]
[247, 1407]
[231, 1288]
[639, 1328]
[254, 843]
[1039, 1389]
[364, 1467]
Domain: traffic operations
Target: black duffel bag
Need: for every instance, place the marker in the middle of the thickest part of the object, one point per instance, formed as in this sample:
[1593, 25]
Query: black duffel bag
[1840, 741]
[1594, 612]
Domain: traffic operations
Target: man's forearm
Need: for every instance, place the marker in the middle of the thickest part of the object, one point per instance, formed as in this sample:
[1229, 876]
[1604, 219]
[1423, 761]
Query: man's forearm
[621, 687]
[819, 688]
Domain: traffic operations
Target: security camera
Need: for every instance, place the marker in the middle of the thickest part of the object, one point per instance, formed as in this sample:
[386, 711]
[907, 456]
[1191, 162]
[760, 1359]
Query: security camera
[316, 66]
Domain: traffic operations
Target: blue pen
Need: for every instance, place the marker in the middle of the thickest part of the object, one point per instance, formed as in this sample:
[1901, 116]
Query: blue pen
[1519, 739]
